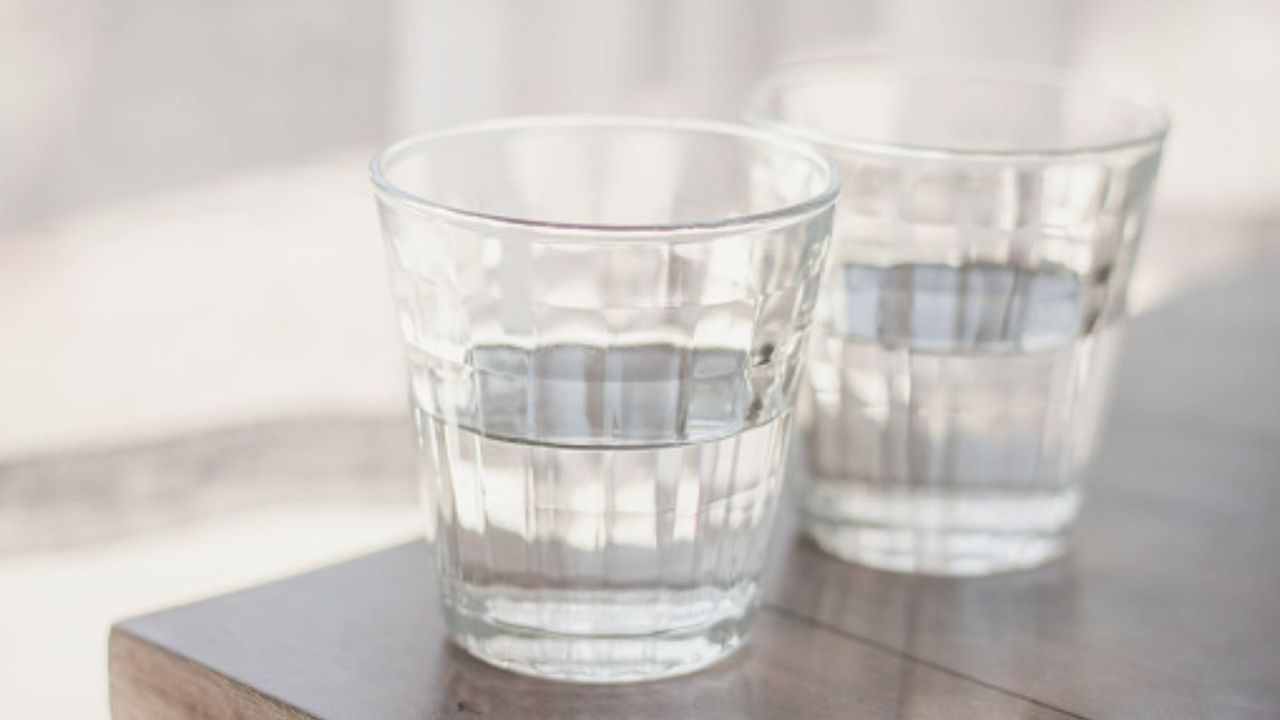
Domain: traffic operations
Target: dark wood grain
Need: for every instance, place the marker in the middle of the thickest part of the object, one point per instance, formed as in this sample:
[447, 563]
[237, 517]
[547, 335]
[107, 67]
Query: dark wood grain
[364, 640]
[1168, 605]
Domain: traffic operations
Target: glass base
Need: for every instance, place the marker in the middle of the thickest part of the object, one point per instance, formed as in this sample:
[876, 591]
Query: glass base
[940, 531]
[599, 636]
[950, 554]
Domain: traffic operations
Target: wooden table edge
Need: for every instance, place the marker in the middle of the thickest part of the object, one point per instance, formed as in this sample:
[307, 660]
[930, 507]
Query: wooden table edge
[148, 681]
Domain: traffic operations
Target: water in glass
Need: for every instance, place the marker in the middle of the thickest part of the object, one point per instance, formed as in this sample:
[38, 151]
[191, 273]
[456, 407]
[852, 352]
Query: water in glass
[600, 508]
[950, 412]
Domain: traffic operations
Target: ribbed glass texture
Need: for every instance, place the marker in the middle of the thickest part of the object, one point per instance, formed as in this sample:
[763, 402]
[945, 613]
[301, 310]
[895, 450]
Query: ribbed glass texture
[605, 322]
[960, 364]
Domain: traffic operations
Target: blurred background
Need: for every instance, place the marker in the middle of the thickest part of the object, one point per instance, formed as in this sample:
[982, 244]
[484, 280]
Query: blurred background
[200, 382]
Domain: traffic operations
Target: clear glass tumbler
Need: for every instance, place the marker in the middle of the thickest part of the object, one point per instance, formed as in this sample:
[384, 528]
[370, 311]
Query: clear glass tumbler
[965, 335]
[605, 321]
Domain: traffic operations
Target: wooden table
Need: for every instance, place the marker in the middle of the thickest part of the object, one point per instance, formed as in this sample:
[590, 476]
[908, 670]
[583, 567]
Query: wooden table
[1168, 606]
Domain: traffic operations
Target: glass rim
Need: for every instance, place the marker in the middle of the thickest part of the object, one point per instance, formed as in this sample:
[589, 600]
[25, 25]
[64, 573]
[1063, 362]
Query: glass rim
[1066, 83]
[813, 203]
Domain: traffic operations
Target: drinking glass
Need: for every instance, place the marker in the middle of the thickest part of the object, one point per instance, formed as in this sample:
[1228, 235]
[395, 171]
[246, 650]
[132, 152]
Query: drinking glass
[605, 321]
[966, 331]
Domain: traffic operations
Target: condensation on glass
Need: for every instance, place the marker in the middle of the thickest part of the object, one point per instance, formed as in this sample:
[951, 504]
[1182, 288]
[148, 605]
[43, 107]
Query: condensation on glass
[967, 327]
[605, 321]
